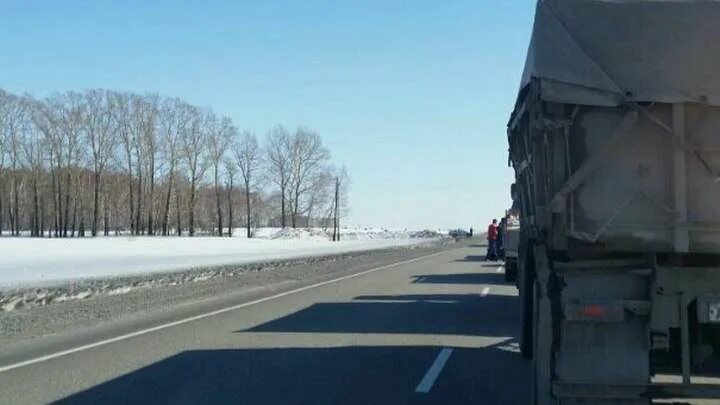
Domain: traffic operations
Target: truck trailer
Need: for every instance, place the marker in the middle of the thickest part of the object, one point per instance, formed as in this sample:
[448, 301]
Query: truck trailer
[615, 144]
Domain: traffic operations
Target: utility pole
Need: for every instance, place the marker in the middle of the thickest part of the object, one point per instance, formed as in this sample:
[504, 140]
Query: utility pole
[336, 219]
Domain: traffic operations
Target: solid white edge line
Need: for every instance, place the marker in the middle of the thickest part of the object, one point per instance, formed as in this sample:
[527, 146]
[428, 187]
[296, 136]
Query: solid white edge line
[206, 315]
[433, 372]
[485, 291]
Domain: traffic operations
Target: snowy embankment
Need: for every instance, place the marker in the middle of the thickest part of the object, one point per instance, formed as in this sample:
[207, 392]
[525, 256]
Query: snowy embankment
[42, 262]
[38, 272]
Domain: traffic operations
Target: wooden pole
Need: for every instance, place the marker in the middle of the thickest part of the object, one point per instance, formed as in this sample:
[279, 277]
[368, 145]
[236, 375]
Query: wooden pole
[336, 221]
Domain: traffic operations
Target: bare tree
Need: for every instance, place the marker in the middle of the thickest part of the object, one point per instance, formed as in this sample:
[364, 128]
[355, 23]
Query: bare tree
[45, 119]
[193, 150]
[51, 117]
[248, 159]
[321, 193]
[70, 106]
[308, 156]
[13, 122]
[230, 173]
[99, 131]
[33, 151]
[173, 121]
[148, 115]
[151, 152]
[220, 135]
[122, 115]
[138, 124]
[278, 153]
[4, 112]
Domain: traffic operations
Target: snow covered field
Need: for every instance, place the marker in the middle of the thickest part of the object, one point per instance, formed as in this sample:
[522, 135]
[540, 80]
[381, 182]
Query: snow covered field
[27, 262]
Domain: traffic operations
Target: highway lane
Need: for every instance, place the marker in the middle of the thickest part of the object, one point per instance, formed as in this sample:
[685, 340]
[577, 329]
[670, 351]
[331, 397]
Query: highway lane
[441, 329]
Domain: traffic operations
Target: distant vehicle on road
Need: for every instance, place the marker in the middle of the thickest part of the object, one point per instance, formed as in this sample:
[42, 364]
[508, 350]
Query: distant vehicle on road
[459, 233]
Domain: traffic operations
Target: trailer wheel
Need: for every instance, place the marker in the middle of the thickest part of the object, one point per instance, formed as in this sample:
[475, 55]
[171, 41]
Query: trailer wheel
[511, 270]
[526, 335]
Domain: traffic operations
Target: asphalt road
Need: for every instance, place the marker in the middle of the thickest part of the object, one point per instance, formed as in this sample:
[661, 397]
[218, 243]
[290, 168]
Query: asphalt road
[440, 329]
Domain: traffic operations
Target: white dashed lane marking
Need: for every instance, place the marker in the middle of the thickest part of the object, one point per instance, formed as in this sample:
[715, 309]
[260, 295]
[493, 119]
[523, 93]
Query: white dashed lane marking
[433, 372]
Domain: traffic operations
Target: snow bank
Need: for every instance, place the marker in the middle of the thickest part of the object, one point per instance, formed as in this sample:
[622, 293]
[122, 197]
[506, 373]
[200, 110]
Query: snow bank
[31, 262]
[298, 234]
[345, 233]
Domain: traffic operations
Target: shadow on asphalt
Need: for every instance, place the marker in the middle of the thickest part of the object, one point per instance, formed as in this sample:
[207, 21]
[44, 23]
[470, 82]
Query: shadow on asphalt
[494, 374]
[434, 314]
[472, 258]
[338, 375]
[481, 258]
[442, 298]
[462, 278]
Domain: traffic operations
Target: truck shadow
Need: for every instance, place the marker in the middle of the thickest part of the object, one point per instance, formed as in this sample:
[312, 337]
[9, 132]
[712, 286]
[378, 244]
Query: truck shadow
[494, 374]
[354, 374]
[472, 258]
[462, 278]
[478, 245]
[431, 314]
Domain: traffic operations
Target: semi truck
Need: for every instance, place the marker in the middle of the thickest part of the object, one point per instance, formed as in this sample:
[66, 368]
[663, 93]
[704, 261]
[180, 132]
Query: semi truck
[615, 144]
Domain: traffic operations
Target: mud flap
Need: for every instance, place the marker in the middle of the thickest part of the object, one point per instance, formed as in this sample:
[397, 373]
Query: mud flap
[542, 325]
[586, 333]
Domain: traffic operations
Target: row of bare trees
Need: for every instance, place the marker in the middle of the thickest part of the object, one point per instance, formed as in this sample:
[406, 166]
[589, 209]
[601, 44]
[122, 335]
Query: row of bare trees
[100, 161]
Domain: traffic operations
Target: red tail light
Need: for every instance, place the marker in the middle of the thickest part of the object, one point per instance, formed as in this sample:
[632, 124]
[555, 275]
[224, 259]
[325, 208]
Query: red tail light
[594, 311]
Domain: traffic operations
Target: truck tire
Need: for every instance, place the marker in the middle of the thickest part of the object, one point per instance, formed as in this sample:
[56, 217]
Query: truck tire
[511, 270]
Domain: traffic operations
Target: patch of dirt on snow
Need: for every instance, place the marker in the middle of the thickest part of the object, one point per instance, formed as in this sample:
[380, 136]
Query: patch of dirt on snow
[302, 234]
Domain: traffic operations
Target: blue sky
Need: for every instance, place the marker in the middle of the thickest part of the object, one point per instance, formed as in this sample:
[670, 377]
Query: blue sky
[412, 96]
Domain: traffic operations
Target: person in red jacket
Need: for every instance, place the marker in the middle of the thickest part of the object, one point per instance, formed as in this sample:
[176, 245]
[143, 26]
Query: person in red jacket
[492, 237]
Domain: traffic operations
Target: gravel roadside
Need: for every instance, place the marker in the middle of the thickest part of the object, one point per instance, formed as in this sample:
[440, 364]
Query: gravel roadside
[30, 314]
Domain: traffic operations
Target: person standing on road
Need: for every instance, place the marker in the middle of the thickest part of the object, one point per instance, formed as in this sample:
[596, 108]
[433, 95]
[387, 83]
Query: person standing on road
[492, 237]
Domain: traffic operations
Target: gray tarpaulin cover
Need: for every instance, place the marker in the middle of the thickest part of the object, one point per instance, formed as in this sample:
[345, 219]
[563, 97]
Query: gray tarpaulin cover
[601, 52]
